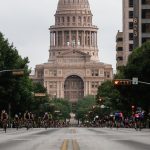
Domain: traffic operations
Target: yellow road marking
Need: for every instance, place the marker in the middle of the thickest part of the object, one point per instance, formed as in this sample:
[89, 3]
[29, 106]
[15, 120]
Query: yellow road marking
[73, 130]
[75, 145]
[64, 145]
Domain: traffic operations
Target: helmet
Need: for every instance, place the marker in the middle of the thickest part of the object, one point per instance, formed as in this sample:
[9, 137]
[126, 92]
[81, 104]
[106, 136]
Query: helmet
[16, 115]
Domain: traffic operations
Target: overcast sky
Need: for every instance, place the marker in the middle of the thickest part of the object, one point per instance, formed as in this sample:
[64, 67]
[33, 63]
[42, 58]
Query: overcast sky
[26, 23]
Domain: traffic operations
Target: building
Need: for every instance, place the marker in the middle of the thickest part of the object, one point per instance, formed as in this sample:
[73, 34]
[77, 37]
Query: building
[136, 26]
[73, 69]
[119, 49]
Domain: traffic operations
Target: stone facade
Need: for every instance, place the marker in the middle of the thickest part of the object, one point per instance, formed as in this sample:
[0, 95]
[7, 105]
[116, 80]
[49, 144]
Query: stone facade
[73, 69]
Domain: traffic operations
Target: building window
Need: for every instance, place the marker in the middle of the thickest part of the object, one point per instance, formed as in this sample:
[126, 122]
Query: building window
[39, 74]
[130, 3]
[146, 28]
[46, 72]
[94, 72]
[53, 72]
[130, 36]
[119, 48]
[52, 85]
[120, 58]
[63, 19]
[89, 19]
[73, 19]
[68, 19]
[130, 47]
[107, 74]
[145, 40]
[84, 19]
[130, 25]
[144, 2]
[130, 14]
[94, 84]
[119, 39]
[145, 14]
[79, 19]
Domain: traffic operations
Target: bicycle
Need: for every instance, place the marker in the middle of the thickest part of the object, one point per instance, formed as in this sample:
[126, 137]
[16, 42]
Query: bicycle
[4, 122]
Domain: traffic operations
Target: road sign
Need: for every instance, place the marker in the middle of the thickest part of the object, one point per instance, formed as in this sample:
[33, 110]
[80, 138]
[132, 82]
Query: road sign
[18, 73]
[39, 94]
[135, 81]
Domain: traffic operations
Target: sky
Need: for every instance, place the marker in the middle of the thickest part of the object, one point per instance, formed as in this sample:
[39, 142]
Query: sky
[25, 23]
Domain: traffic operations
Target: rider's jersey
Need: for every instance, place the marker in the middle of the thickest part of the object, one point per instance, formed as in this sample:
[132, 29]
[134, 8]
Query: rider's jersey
[17, 119]
[4, 116]
[27, 116]
[45, 117]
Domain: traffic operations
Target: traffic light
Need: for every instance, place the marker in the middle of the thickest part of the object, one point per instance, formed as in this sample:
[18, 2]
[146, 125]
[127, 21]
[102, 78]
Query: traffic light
[125, 82]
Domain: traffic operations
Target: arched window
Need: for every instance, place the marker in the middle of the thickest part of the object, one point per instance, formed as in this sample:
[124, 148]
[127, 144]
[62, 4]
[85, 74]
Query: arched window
[84, 19]
[89, 19]
[63, 19]
[68, 19]
[74, 19]
[79, 19]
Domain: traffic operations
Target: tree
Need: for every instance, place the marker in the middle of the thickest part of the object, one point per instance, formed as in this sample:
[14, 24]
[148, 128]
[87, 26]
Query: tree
[14, 91]
[39, 103]
[60, 108]
[139, 66]
[109, 96]
[84, 106]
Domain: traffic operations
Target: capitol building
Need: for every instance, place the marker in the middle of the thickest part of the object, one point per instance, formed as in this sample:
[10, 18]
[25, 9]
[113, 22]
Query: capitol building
[73, 69]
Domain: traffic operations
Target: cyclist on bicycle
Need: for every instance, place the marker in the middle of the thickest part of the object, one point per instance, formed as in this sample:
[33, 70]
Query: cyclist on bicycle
[27, 119]
[4, 119]
[16, 121]
[46, 119]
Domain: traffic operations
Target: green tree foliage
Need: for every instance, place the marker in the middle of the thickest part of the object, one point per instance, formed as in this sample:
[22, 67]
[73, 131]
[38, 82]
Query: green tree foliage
[139, 66]
[39, 103]
[60, 108]
[109, 96]
[14, 90]
[84, 106]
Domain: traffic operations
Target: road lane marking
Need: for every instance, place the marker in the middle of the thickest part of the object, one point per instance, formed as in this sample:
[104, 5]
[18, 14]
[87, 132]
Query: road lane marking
[73, 131]
[64, 146]
[75, 145]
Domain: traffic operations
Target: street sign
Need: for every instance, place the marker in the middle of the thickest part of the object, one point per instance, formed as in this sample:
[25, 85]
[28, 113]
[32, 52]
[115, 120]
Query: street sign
[135, 81]
[39, 94]
[18, 73]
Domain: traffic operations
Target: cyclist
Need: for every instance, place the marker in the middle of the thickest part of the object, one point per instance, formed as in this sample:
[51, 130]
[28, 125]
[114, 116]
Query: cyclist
[31, 119]
[27, 119]
[46, 120]
[4, 119]
[16, 121]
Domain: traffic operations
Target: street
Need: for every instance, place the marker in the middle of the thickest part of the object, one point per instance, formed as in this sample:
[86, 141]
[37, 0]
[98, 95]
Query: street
[75, 139]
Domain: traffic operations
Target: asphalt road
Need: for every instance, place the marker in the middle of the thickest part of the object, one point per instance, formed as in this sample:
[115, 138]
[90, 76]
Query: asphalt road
[75, 139]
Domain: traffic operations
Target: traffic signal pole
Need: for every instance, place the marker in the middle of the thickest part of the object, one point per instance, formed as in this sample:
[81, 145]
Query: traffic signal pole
[144, 82]
[15, 72]
[129, 82]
